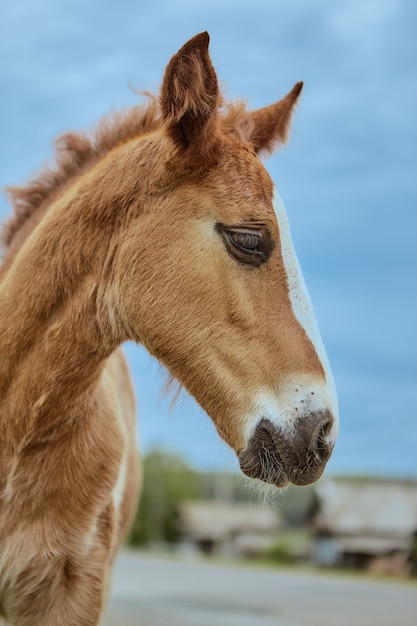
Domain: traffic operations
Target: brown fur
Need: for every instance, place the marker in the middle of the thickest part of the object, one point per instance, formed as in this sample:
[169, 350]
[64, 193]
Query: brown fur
[118, 242]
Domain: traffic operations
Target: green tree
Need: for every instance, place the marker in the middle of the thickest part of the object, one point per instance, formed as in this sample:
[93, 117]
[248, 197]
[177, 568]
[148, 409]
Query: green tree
[168, 480]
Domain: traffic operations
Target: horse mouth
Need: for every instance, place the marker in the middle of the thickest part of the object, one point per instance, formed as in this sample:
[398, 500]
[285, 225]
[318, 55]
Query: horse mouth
[274, 457]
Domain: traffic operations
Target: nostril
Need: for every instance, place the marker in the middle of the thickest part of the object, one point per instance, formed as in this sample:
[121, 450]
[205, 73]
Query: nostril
[320, 443]
[325, 429]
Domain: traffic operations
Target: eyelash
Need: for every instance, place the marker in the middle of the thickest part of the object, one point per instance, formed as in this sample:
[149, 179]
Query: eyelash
[246, 241]
[249, 244]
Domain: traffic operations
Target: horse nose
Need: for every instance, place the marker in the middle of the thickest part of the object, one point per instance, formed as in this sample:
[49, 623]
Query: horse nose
[297, 455]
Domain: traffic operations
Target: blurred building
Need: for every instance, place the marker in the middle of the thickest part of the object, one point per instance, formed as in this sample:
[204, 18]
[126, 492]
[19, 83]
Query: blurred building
[228, 528]
[365, 524]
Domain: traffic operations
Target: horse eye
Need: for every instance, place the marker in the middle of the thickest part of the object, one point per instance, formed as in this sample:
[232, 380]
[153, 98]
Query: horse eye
[248, 244]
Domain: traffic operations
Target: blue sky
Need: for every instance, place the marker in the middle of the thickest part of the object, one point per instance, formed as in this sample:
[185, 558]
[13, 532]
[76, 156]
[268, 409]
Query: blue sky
[348, 177]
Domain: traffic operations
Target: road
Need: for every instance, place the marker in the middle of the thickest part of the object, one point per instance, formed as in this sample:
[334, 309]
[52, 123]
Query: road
[153, 591]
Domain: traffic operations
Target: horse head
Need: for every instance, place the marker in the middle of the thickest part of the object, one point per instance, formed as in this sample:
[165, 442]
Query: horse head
[206, 277]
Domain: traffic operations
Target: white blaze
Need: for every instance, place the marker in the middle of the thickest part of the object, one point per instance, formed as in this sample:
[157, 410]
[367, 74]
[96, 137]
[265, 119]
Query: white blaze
[300, 394]
[300, 299]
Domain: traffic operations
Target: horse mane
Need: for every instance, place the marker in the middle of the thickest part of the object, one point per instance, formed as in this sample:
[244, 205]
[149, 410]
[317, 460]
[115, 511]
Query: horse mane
[75, 152]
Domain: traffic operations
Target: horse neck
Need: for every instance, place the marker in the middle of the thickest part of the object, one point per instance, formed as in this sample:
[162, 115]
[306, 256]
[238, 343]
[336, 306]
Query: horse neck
[56, 327]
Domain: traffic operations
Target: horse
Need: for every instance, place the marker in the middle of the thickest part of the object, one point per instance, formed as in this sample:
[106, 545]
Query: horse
[163, 227]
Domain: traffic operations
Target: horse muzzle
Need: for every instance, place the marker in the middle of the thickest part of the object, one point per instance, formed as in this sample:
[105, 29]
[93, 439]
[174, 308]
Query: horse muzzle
[298, 455]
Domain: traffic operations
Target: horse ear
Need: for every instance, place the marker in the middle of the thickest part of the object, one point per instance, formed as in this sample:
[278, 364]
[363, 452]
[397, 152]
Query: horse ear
[270, 125]
[189, 96]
